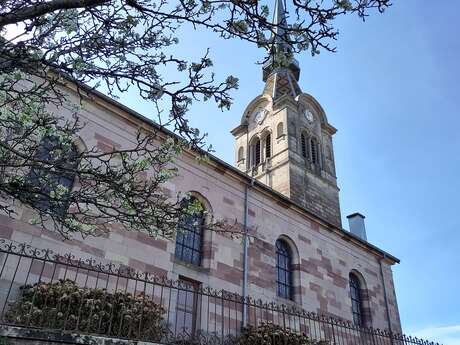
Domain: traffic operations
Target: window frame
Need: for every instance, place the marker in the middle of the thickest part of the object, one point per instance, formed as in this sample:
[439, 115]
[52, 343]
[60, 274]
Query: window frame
[303, 145]
[280, 130]
[314, 151]
[268, 145]
[257, 152]
[43, 153]
[188, 287]
[285, 287]
[356, 296]
[193, 231]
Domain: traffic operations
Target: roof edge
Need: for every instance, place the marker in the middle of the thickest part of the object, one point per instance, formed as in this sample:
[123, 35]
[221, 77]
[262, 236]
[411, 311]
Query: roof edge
[333, 228]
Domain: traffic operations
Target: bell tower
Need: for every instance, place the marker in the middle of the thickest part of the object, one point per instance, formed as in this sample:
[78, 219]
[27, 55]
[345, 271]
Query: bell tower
[284, 139]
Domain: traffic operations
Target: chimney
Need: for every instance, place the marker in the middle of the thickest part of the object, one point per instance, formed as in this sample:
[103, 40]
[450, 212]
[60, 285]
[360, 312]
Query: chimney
[356, 224]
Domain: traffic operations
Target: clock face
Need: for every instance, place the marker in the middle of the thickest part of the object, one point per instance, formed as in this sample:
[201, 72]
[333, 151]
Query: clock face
[260, 115]
[309, 115]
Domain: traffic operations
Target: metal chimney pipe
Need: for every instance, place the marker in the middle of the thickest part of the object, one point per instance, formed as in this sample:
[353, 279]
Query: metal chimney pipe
[356, 224]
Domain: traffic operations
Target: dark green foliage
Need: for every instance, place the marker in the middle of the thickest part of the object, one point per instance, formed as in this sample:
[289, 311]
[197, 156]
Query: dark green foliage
[271, 334]
[64, 305]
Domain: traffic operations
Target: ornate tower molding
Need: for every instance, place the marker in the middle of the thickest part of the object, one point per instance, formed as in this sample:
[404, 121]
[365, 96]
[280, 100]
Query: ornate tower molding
[284, 139]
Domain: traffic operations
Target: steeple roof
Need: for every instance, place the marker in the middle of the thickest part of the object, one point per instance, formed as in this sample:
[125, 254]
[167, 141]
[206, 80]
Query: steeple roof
[281, 71]
[279, 34]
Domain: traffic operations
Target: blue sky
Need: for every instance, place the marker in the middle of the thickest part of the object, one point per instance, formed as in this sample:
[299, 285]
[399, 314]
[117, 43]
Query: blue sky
[391, 90]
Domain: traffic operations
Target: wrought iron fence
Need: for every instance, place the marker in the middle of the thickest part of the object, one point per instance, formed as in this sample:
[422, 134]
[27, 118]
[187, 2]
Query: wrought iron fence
[41, 289]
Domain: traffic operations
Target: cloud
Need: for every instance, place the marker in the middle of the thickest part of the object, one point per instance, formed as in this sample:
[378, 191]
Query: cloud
[447, 335]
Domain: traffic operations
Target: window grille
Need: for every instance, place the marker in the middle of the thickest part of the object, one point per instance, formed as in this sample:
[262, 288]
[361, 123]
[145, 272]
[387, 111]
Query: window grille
[356, 300]
[44, 182]
[256, 154]
[189, 238]
[284, 270]
[268, 146]
[314, 151]
[186, 307]
[303, 145]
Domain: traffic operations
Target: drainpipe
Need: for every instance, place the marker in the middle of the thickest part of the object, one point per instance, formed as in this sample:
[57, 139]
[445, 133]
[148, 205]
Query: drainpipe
[385, 296]
[245, 251]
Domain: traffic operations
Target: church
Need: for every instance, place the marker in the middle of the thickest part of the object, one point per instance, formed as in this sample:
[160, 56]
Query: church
[282, 188]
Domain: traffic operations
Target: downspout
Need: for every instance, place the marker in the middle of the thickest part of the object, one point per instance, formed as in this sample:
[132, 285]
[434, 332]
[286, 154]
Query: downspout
[245, 251]
[387, 307]
[245, 236]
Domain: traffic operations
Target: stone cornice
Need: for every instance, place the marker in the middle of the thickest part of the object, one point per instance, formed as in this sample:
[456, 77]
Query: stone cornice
[239, 129]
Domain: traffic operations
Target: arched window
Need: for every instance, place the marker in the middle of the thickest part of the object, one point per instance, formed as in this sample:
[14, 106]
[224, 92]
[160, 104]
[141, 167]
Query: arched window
[279, 130]
[283, 270]
[46, 183]
[240, 153]
[356, 300]
[314, 151]
[189, 237]
[268, 146]
[255, 152]
[303, 145]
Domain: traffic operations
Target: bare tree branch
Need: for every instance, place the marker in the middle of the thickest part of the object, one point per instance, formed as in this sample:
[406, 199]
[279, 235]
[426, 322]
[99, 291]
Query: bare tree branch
[124, 45]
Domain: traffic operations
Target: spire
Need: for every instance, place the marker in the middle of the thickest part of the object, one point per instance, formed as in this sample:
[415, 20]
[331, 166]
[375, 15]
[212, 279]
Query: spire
[280, 77]
[279, 35]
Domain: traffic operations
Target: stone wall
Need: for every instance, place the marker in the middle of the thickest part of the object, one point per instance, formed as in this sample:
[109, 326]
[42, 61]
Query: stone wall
[323, 256]
[314, 187]
[30, 336]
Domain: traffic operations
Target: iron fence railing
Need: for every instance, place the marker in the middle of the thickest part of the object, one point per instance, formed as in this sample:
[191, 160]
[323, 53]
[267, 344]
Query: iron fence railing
[41, 289]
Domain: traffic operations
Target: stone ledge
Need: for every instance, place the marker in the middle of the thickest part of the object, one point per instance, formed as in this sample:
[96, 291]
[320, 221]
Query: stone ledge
[37, 336]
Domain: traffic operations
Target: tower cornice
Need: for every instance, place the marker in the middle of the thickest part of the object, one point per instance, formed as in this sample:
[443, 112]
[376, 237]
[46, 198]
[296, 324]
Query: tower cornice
[329, 128]
[239, 129]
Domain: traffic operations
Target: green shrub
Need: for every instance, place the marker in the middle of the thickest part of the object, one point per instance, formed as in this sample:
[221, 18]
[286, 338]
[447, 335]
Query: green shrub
[64, 305]
[271, 334]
